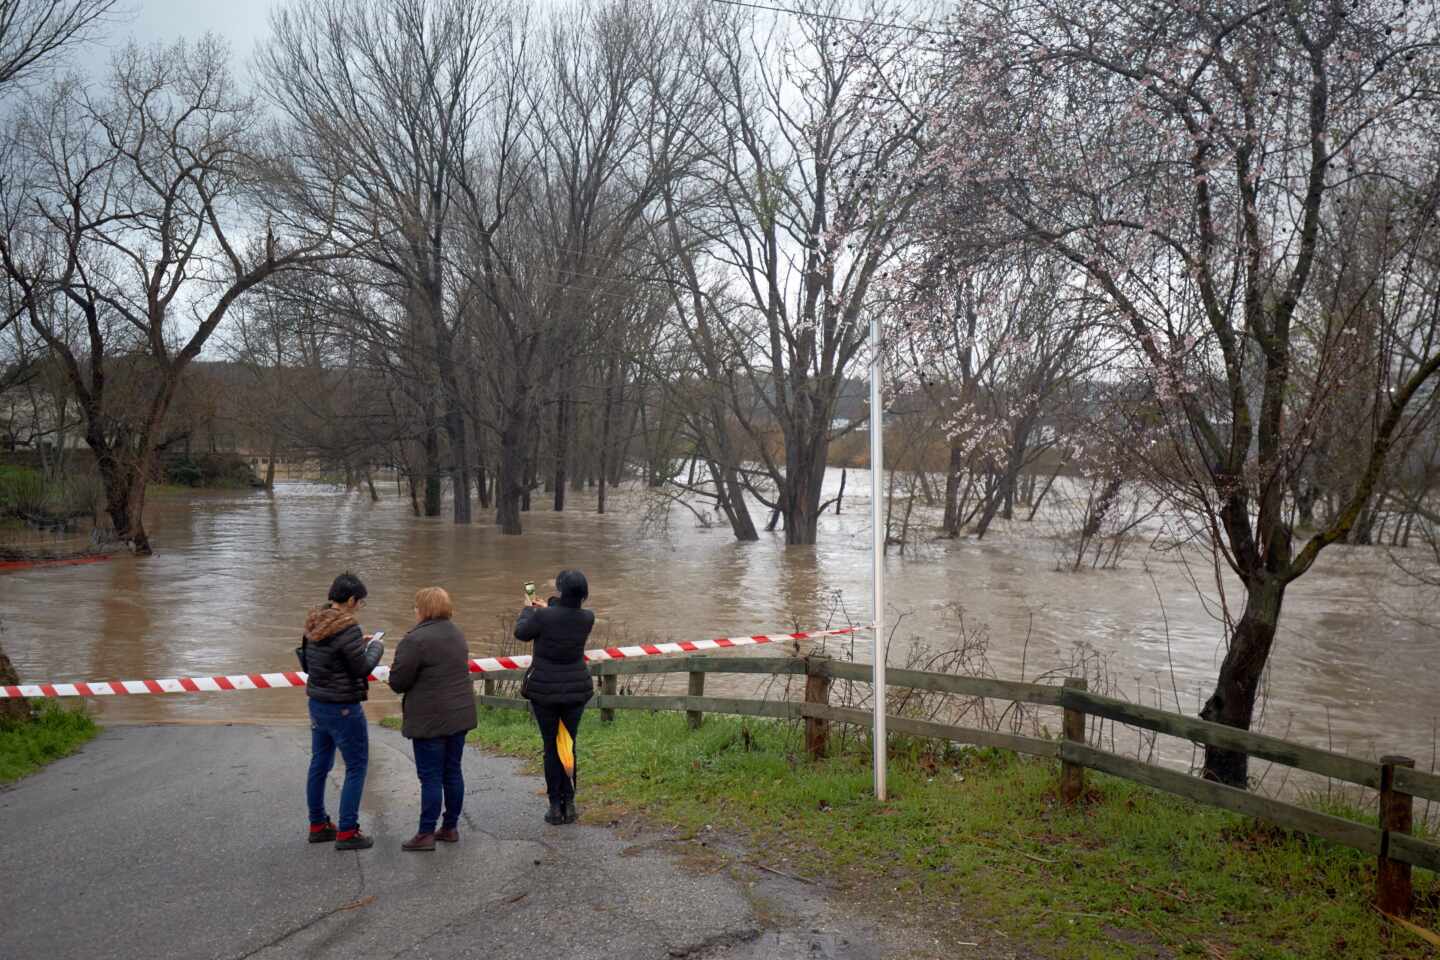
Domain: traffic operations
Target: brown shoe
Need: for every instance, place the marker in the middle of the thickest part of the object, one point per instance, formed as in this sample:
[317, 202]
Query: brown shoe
[447, 835]
[419, 842]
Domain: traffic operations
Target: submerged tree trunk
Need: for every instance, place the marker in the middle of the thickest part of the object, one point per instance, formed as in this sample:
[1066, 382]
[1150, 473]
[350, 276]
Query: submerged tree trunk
[482, 486]
[512, 477]
[951, 523]
[370, 484]
[270, 464]
[1040, 497]
[1233, 702]
[800, 494]
[730, 497]
[459, 463]
[432, 469]
[562, 452]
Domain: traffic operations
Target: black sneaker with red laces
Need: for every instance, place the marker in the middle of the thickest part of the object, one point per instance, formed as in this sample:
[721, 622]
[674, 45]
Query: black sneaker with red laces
[322, 832]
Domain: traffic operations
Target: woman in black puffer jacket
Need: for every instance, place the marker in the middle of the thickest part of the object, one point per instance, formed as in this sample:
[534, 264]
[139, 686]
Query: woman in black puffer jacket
[559, 684]
[338, 657]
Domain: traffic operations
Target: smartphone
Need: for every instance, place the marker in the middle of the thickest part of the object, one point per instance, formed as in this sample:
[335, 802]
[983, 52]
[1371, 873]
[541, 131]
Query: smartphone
[530, 589]
[378, 634]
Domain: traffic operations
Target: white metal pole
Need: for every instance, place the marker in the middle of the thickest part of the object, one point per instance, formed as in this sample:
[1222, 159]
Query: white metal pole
[877, 527]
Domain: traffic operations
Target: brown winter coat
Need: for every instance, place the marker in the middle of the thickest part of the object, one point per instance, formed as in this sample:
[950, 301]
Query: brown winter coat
[431, 668]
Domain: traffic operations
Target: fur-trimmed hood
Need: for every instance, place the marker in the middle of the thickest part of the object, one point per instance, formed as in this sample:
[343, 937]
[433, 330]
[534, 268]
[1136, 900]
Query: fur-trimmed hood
[323, 623]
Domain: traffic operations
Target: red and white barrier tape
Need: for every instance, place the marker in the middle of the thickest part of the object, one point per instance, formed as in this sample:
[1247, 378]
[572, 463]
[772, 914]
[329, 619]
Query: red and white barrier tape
[267, 681]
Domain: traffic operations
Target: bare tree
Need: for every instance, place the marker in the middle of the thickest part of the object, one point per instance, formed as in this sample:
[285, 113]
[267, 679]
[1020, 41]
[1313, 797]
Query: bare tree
[556, 203]
[1184, 155]
[806, 193]
[381, 99]
[123, 211]
[33, 33]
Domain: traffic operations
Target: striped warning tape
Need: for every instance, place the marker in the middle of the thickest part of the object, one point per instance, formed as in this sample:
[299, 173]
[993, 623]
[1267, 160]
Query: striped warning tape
[294, 678]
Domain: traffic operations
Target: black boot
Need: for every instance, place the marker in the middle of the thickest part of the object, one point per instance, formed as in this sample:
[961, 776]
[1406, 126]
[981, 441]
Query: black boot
[571, 814]
[556, 816]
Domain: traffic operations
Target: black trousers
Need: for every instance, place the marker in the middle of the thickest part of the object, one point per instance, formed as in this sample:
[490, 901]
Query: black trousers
[557, 782]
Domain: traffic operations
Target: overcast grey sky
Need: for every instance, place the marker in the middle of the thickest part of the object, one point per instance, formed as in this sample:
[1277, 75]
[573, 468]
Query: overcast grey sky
[242, 22]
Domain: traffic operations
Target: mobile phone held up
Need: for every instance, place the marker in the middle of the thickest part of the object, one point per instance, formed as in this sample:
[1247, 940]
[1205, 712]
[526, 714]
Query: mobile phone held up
[530, 589]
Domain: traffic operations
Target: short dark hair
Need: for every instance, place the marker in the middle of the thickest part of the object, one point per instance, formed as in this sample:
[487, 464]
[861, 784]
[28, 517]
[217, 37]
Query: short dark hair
[572, 585]
[347, 587]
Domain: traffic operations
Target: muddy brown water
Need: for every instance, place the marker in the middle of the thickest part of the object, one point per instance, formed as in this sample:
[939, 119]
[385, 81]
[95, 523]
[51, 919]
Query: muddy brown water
[1354, 666]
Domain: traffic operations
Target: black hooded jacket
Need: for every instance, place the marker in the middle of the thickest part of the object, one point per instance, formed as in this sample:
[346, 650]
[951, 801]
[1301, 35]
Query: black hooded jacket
[560, 677]
[337, 660]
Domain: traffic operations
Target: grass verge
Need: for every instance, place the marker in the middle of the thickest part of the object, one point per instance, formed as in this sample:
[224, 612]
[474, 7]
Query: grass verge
[54, 732]
[979, 835]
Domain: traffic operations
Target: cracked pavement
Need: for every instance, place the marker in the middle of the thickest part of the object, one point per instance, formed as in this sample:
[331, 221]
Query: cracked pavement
[189, 841]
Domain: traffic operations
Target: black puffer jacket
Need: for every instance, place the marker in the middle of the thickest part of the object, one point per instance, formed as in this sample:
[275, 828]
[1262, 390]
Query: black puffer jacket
[560, 677]
[336, 657]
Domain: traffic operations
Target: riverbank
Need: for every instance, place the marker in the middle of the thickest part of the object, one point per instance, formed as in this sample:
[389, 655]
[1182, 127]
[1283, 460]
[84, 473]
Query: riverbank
[980, 835]
[54, 732]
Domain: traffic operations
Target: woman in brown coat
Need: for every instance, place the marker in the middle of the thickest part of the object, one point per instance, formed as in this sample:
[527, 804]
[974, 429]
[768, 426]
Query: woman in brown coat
[432, 670]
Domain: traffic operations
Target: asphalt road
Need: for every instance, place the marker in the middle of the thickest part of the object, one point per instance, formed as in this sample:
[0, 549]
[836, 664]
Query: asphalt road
[189, 841]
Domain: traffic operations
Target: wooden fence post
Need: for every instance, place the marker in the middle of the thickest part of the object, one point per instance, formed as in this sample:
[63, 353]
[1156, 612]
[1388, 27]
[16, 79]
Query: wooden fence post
[817, 690]
[609, 684]
[1072, 775]
[487, 688]
[697, 689]
[1393, 891]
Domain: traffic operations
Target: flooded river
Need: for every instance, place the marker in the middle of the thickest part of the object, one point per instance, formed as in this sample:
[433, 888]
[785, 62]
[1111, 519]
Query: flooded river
[234, 572]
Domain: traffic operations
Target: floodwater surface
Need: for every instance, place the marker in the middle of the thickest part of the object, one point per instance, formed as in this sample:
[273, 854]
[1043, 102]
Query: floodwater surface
[234, 573]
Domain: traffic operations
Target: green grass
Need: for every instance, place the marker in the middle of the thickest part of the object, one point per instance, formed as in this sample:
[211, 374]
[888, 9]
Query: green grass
[980, 835]
[55, 732]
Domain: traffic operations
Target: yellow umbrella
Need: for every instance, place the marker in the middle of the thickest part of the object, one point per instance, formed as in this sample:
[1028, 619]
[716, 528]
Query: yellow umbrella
[565, 746]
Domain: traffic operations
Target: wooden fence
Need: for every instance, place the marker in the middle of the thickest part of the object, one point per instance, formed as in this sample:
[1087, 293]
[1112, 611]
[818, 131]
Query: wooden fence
[1393, 777]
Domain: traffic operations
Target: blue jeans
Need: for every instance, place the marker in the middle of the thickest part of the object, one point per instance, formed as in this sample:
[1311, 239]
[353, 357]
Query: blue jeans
[337, 725]
[437, 764]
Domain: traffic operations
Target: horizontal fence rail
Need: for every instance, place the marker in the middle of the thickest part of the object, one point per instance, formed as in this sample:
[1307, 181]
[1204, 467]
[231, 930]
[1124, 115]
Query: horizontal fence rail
[1393, 777]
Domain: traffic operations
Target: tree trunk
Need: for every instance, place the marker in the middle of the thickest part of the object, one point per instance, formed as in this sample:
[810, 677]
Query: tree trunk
[124, 483]
[512, 476]
[951, 522]
[459, 462]
[432, 469]
[270, 464]
[562, 451]
[1095, 519]
[482, 486]
[370, 484]
[1040, 497]
[730, 496]
[1233, 701]
[800, 494]
[992, 506]
[1305, 496]
[606, 414]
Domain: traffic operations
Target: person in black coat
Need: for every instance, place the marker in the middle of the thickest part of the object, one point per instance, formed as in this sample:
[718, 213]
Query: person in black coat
[337, 657]
[559, 683]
